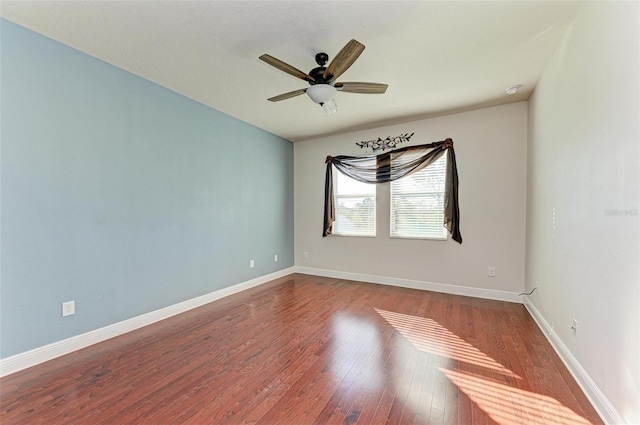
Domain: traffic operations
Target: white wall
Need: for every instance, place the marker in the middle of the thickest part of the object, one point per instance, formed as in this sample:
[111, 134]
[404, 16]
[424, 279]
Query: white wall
[490, 147]
[583, 202]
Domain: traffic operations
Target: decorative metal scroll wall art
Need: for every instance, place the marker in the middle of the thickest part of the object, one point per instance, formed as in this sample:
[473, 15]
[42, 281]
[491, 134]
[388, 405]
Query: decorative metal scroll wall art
[383, 144]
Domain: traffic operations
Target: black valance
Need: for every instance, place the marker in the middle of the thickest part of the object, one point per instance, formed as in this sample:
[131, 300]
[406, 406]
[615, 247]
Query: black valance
[390, 166]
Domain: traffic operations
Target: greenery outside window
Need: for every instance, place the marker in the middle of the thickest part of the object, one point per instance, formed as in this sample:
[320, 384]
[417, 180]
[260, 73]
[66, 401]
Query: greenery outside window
[355, 207]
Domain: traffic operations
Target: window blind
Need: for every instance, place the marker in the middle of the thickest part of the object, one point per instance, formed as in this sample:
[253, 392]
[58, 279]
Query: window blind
[417, 203]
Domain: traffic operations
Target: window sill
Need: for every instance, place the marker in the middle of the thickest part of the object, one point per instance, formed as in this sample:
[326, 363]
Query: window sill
[419, 238]
[352, 236]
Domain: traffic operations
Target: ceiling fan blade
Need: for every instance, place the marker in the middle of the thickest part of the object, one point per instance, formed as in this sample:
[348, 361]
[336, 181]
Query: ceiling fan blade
[287, 95]
[282, 66]
[366, 88]
[343, 60]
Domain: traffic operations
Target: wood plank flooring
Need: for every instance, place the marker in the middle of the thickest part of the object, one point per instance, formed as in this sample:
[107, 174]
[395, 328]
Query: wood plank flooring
[311, 350]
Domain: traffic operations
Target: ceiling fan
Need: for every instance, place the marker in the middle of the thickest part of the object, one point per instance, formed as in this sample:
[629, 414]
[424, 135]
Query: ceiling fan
[322, 80]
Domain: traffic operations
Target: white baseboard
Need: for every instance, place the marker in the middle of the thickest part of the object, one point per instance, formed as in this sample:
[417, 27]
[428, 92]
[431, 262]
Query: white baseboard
[42, 354]
[598, 400]
[416, 284]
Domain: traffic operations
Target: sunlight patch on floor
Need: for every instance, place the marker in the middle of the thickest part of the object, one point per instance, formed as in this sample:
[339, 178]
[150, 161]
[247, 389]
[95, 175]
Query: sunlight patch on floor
[428, 335]
[507, 405]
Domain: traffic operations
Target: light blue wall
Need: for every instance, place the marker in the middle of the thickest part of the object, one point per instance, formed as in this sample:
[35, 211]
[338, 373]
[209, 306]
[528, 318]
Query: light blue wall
[122, 195]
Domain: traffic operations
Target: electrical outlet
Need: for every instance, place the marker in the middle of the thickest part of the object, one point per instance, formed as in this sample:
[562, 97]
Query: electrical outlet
[68, 308]
[574, 326]
[306, 254]
[275, 258]
[492, 272]
[252, 264]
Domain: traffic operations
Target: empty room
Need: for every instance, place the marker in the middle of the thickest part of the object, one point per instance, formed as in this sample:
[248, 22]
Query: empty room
[310, 212]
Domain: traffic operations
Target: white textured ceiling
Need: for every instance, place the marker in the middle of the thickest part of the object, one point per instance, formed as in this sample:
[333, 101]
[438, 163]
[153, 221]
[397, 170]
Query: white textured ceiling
[437, 57]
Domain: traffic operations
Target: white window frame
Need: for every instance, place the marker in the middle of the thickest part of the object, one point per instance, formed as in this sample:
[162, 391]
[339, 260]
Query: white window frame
[396, 186]
[351, 195]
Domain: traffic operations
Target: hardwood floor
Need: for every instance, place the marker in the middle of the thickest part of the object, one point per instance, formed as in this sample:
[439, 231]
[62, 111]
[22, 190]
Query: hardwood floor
[311, 350]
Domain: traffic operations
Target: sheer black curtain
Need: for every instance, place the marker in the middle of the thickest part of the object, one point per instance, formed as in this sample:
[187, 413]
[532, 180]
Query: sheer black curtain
[390, 166]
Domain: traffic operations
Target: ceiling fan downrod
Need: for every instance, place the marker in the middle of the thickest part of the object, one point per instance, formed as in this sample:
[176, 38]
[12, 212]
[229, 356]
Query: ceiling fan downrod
[317, 74]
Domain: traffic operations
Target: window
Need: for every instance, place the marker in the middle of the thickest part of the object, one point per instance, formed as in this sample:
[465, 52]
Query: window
[417, 203]
[355, 206]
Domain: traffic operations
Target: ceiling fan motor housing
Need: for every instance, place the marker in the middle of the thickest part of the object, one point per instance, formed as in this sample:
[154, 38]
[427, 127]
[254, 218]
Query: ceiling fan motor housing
[318, 75]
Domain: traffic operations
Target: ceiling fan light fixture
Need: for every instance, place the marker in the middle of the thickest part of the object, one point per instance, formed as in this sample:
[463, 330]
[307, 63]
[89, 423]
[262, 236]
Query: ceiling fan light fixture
[330, 106]
[321, 93]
